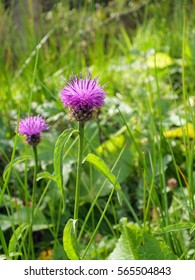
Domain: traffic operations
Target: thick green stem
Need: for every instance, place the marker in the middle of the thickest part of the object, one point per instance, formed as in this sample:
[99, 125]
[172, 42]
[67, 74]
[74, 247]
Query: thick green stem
[79, 164]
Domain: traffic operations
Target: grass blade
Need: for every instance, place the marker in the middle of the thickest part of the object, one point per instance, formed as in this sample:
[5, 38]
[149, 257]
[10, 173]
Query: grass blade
[58, 155]
[69, 240]
[17, 235]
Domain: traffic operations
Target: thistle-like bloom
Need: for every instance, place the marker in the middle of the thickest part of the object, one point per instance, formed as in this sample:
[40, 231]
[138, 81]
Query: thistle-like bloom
[83, 97]
[32, 128]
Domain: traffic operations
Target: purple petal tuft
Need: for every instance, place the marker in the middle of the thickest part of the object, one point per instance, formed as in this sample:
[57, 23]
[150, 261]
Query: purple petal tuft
[32, 125]
[83, 93]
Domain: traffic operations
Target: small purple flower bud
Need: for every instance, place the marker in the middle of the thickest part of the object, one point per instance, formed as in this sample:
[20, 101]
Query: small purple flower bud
[32, 128]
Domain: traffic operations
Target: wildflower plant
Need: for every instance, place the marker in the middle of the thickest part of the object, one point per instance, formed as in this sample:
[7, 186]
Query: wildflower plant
[83, 97]
[32, 128]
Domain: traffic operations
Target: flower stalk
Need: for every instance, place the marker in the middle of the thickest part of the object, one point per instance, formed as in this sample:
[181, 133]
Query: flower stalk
[79, 168]
[34, 189]
[34, 181]
[83, 98]
[31, 128]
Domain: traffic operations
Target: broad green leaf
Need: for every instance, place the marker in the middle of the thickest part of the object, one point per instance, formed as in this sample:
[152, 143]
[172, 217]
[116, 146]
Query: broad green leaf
[175, 227]
[135, 244]
[153, 249]
[58, 155]
[99, 164]
[39, 227]
[69, 240]
[111, 148]
[15, 161]
[126, 247]
[5, 222]
[14, 241]
[22, 217]
[39, 221]
[117, 153]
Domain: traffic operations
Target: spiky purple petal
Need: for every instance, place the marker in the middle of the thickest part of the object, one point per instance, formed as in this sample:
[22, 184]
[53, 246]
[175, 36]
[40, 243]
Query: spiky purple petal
[32, 125]
[83, 93]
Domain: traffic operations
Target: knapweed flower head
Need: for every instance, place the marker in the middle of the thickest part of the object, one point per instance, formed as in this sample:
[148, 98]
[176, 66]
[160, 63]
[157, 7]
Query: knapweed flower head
[83, 97]
[31, 128]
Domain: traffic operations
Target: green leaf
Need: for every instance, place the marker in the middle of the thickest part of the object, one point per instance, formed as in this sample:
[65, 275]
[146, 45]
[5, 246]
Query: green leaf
[22, 217]
[39, 221]
[5, 222]
[45, 175]
[153, 249]
[18, 233]
[111, 148]
[69, 240]
[100, 165]
[58, 155]
[126, 247]
[15, 161]
[135, 244]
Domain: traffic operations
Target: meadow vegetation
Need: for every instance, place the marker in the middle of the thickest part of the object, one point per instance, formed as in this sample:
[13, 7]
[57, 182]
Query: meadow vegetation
[137, 198]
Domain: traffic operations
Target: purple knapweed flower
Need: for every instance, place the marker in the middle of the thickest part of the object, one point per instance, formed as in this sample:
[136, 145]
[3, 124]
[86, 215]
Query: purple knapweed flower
[83, 97]
[32, 128]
